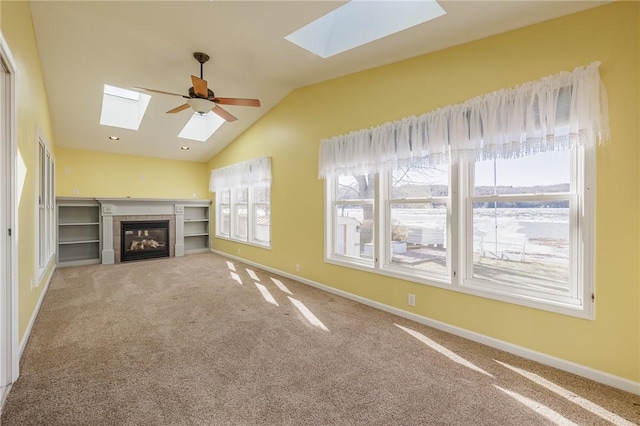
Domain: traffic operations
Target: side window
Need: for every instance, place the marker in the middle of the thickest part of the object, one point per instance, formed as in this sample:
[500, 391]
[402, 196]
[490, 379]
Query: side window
[240, 213]
[244, 214]
[262, 215]
[353, 217]
[223, 224]
[45, 217]
[523, 226]
[417, 228]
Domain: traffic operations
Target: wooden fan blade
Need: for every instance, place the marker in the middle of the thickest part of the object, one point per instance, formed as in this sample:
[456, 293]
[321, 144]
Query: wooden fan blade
[178, 109]
[159, 91]
[238, 101]
[200, 86]
[223, 113]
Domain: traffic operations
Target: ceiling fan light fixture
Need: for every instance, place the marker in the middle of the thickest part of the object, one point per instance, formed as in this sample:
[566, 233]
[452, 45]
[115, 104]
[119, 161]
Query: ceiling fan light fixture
[200, 106]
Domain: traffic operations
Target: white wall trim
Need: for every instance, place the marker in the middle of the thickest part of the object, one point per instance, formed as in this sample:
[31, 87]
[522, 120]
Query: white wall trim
[10, 339]
[4, 392]
[34, 315]
[571, 367]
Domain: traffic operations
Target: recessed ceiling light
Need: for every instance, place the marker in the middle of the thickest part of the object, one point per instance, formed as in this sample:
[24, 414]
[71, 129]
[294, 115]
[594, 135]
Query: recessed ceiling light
[184, 148]
[114, 138]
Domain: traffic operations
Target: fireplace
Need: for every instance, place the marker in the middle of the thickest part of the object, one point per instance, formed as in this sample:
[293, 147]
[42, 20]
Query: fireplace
[144, 240]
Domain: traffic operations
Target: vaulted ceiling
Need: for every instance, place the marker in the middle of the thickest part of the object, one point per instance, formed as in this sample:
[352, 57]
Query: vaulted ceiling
[84, 45]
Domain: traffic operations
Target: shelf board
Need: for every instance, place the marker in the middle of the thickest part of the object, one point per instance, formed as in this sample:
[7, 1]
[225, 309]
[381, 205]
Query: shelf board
[196, 220]
[80, 262]
[78, 223]
[199, 234]
[78, 242]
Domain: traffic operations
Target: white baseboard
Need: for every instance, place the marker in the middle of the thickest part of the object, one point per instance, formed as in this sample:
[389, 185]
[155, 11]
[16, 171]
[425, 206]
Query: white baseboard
[4, 392]
[35, 313]
[561, 364]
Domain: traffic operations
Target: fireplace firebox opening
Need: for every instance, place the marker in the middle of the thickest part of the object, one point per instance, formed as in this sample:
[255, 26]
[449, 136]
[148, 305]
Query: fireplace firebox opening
[144, 240]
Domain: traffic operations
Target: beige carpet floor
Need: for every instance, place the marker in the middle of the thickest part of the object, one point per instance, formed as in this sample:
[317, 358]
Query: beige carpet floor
[204, 340]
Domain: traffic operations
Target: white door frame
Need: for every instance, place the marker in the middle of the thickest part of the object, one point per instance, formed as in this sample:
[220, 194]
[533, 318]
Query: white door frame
[9, 348]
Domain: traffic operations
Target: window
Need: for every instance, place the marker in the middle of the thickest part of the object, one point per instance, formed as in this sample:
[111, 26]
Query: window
[243, 201]
[46, 208]
[353, 215]
[493, 197]
[418, 223]
[522, 227]
[261, 203]
[519, 230]
[223, 206]
[240, 213]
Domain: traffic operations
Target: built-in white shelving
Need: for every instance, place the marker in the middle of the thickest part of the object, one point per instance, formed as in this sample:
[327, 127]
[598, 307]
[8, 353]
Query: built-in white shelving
[78, 231]
[196, 228]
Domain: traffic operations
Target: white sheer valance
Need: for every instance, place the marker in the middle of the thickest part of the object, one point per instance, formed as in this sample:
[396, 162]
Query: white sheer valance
[248, 173]
[544, 115]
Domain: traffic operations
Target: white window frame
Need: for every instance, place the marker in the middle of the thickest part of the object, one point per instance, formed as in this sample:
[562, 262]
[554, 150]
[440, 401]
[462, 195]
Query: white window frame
[267, 206]
[387, 183]
[581, 198]
[459, 233]
[249, 206]
[246, 176]
[220, 206]
[331, 214]
[45, 204]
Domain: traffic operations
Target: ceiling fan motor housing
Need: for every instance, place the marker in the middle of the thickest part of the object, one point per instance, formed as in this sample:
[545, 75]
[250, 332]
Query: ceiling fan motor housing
[193, 94]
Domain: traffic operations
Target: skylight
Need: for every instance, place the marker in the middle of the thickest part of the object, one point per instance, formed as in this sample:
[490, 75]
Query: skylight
[201, 127]
[360, 22]
[123, 108]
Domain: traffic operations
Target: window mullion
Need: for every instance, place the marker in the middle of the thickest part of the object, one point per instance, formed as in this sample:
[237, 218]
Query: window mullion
[453, 221]
[465, 250]
[250, 215]
[382, 215]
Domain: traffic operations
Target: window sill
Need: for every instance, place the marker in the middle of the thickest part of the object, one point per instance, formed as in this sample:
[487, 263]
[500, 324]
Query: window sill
[248, 243]
[564, 308]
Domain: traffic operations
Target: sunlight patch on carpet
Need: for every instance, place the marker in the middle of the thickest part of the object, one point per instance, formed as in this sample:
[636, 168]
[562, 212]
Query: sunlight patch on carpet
[231, 266]
[266, 294]
[570, 396]
[313, 320]
[444, 351]
[236, 277]
[252, 274]
[539, 408]
[281, 286]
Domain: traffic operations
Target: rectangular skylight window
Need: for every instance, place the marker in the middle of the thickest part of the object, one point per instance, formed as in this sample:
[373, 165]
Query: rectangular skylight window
[201, 127]
[360, 22]
[123, 108]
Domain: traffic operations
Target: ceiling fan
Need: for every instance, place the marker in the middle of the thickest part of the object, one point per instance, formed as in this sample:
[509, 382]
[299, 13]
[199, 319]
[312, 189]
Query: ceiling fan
[201, 99]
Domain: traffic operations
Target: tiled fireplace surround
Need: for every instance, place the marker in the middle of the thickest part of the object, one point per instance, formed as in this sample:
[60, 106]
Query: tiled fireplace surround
[114, 211]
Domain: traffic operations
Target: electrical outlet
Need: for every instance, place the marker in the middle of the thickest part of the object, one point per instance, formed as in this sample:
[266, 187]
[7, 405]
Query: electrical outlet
[238, 251]
[67, 171]
[75, 191]
[141, 178]
[297, 267]
[411, 300]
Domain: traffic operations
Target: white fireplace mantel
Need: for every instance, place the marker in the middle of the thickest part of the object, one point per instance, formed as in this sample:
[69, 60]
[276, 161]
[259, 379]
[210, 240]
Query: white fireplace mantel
[110, 207]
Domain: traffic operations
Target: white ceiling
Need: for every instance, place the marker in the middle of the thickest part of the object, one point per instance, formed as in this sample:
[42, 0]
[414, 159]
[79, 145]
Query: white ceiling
[86, 44]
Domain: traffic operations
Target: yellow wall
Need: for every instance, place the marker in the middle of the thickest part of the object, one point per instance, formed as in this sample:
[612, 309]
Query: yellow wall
[32, 114]
[99, 174]
[290, 133]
